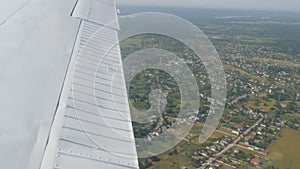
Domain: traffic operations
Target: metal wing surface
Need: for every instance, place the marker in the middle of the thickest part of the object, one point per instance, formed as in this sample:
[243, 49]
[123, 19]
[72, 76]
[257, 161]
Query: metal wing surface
[63, 95]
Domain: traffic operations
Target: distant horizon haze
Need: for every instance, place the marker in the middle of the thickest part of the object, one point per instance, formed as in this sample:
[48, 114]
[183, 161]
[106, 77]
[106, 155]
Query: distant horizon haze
[268, 5]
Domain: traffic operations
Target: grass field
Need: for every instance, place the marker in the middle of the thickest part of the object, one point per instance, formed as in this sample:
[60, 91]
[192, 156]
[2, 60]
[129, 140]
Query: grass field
[179, 160]
[132, 41]
[285, 152]
[244, 73]
[279, 62]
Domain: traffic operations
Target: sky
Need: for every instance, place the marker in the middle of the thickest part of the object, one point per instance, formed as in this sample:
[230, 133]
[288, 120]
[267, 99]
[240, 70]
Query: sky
[273, 5]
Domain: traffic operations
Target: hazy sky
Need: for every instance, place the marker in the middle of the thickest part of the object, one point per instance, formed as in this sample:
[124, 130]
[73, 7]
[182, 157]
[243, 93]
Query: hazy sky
[282, 5]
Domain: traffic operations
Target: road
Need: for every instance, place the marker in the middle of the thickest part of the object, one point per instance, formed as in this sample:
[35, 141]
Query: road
[239, 138]
[246, 148]
[234, 143]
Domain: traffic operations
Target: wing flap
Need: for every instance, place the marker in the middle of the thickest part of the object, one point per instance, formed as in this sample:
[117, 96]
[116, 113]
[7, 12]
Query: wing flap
[102, 12]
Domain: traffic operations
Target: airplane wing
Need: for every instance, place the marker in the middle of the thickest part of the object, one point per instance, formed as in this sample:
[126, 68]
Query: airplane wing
[63, 95]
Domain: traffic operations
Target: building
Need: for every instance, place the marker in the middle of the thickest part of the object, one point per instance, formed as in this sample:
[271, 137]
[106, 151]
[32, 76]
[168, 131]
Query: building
[255, 161]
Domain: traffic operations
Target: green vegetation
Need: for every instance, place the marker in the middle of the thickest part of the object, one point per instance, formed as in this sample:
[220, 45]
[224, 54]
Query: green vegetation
[262, 67]
[285, 152]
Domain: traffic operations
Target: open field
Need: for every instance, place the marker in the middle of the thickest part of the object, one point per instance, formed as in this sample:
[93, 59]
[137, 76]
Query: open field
[179, 158]
[132, 41]
[297, 115]
[278, 62]
[262, 104]
[285, 152]
[244, 73]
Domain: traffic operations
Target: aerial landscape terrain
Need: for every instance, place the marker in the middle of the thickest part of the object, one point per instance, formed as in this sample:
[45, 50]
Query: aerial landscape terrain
[139, 84]
[260, 127]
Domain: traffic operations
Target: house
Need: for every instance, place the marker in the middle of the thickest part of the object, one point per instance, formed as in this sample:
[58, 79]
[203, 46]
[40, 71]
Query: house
[236, 151]
[252, 136]
[235, 132]
[217, 165]
[255, 161]
[259, 133]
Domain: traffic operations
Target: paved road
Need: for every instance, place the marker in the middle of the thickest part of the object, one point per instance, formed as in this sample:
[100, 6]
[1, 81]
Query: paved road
[234, 143]
[239, 138]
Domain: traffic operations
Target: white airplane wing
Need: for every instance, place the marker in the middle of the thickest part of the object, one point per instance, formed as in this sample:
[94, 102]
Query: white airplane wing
[63, 95]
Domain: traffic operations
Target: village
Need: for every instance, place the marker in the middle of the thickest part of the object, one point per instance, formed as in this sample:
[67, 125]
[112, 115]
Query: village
[262, 100]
